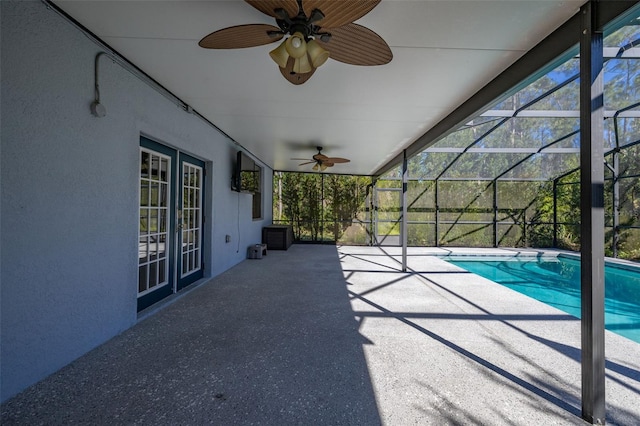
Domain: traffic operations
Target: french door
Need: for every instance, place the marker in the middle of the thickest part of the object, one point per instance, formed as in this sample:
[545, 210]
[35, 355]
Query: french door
[171, 220]
[190, 220]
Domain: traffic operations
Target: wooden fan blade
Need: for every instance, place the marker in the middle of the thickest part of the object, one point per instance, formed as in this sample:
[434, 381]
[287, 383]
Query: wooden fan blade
[308, 162]
[268, 7]
[303, 159]
[338, 13]
[320, 157]
[240, 36]
[336, 160]
[357, 45]
[295, 78]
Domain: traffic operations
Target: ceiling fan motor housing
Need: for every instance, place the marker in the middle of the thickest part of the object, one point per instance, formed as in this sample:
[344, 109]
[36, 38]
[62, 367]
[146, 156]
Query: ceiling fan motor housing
[300, 23]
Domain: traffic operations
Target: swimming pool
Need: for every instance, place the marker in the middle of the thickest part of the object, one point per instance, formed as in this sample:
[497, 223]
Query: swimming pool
[556, 282]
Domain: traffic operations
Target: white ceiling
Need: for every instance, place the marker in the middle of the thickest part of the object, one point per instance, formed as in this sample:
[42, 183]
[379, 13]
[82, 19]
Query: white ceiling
[443, 52]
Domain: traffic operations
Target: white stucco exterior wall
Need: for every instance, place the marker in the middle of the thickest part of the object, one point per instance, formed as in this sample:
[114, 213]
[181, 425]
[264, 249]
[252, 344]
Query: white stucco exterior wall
[69, 185]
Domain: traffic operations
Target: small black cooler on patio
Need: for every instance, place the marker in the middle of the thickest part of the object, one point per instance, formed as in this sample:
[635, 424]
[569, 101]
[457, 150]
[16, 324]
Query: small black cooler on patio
[277, 237]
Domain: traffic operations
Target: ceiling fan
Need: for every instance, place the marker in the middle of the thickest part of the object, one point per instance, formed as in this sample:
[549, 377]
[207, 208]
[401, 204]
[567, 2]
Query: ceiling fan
[316, 30]
[321, 161]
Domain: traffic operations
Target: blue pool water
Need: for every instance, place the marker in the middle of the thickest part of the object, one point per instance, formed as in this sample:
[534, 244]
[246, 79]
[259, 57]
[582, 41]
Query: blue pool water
[556, 282]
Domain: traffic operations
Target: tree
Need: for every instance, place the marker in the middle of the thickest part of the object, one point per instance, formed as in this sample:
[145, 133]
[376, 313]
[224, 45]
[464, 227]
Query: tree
[309, 201]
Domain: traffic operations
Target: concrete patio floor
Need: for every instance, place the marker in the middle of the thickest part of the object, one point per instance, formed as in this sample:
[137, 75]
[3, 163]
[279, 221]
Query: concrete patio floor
[338, 335]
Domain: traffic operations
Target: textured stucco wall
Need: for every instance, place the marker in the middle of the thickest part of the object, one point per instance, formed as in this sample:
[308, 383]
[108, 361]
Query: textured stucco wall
[69, 200]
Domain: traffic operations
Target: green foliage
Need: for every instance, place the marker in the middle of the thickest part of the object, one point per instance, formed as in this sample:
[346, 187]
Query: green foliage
[321, 207]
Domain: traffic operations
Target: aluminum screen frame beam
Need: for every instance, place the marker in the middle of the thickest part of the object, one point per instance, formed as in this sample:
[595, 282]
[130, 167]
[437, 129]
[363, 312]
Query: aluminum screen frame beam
[403, 227]
[592, 215]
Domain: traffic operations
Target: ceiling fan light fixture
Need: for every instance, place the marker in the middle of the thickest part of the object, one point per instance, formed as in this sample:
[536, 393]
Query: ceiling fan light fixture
[296, 46]
[302, 30]
[280, 55]
[317, 53]
[315, 167]
[302, 65]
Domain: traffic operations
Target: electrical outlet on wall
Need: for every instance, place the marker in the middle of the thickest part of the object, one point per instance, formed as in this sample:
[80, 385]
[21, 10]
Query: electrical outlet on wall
[227, 239]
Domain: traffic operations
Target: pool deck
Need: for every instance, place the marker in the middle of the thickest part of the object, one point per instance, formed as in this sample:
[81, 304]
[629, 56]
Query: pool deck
[338, 335]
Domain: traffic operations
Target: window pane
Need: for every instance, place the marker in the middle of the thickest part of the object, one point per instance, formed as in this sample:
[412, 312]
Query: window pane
[143, 250]
[162, 271]
[153, 220]
[144, 192]
[144, 221]
[153, 275]
[142, 278]
[163, 221]
[155, 166]
[162, 246]
[164, 170]
[163, 195]
[144, 164]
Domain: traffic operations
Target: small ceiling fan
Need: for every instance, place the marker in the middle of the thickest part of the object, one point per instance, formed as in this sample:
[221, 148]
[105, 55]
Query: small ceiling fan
[321, 161]
[317, 30]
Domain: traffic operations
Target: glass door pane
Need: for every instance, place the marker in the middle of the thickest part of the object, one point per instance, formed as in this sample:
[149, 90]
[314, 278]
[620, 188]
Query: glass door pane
[156, 244]
[191, 213]
[154, 210]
